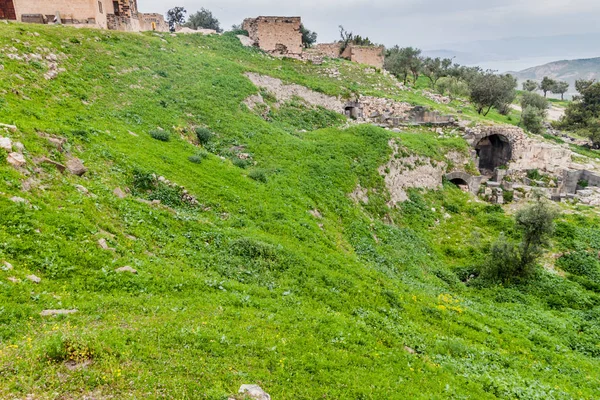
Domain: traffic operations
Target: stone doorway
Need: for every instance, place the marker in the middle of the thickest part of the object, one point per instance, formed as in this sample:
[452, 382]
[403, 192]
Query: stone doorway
[493, 152]
[7, 10]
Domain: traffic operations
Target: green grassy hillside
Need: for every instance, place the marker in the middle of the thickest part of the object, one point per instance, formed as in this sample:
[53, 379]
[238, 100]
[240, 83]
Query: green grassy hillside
[276, 276]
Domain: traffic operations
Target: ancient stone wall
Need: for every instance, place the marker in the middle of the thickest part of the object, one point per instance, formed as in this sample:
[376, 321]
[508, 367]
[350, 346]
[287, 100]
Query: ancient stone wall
[82, 13]
[331, 50]
[76, 12]
[153, 22]
[277, 35]
[368, 55]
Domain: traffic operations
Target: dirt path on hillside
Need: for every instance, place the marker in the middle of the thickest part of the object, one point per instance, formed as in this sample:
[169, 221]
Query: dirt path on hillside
[554, 113]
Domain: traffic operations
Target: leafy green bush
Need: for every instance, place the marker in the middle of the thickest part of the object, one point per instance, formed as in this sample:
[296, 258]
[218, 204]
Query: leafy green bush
[503, 262]
[161, 135]
[532, 119]
[238, 162]
[204, 135]
[534, 174]
[258, 175]
[143, 180]
[199, 157]
[530, 99]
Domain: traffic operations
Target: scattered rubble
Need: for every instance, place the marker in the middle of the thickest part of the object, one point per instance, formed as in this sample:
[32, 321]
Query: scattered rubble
[6, 144]
[104, 245]
[16, 199]
[16, 160]
[437, 98]
[34, 278]
[126, 268]
[246, 41]
[254, 392]
[51, 313]
[11, 128]
[119, 193]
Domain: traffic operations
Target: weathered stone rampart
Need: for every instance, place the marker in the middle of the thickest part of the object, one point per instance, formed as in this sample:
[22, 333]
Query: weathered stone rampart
[368, 55]
[277, 35]
[106, 14]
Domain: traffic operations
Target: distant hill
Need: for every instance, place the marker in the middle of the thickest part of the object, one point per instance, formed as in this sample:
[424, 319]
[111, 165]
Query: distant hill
[565, 70]
[517, 53]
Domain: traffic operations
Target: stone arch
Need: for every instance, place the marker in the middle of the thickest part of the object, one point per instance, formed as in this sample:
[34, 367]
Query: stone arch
[353, 109]
[493, 151]
[461, 178]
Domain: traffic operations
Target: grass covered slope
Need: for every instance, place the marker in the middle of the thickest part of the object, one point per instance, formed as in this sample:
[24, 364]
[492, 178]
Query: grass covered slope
[277, 277]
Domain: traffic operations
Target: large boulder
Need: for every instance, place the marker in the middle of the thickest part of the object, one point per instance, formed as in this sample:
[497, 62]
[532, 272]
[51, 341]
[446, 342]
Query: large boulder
[5, 143]
[16, 160]
[254, 392]
[76, 167]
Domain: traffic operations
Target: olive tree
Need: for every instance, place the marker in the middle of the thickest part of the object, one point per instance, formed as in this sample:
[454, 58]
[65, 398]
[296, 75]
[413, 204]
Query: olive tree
[403, 62]
[489, 90]
[308, 37]
[547, 85]
[436, 68]
[530, 85]
[204, 19]
[560, 88]
[507, 260]
[176, 16]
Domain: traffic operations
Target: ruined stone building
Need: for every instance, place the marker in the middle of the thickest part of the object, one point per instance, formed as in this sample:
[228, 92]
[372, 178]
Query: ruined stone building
[153, 22]
[276, 35]
[119, 15]
[368, 55]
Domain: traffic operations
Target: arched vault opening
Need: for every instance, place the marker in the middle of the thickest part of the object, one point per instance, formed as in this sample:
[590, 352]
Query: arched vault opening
[493, 151]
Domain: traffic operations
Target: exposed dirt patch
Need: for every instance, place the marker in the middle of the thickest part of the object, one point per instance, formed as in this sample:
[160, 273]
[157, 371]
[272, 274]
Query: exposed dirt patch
[284, 92]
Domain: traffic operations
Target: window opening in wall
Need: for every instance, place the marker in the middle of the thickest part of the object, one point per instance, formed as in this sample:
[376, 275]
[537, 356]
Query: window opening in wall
[100, 7]
[116, 6]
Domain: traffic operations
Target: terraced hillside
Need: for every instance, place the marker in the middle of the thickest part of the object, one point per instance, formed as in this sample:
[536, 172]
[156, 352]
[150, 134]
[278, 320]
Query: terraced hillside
[264, 243]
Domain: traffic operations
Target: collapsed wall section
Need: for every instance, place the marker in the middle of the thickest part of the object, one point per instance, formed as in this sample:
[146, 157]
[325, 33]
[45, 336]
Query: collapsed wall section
[277, 35]
[71, 12]
[367, 55]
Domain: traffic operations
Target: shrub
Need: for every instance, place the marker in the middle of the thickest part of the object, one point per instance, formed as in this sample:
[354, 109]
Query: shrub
[143, 180]
[533, 119]
[534, 174]
[258, 175]
[534, 100]
[238, 162]
[198, 157]
[204, 135]
[161, 135]
[503, 262]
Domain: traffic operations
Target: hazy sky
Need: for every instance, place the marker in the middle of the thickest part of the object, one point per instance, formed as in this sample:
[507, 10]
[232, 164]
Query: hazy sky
[423, 23]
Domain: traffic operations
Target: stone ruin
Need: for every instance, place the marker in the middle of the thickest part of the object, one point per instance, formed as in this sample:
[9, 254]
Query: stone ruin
[373, 56]
[122, 15]
[512, 163]
[281, 36]
[368, 55]
[393, 114]
[275, 35]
